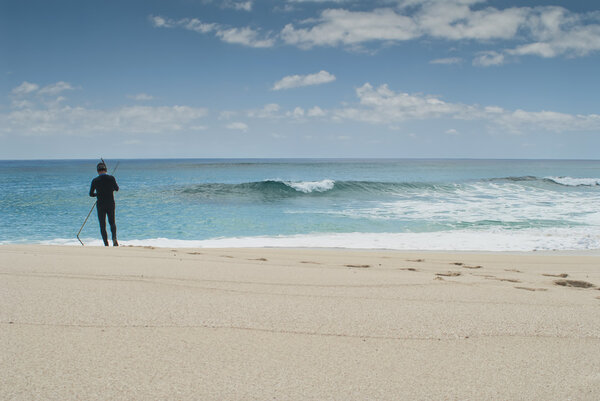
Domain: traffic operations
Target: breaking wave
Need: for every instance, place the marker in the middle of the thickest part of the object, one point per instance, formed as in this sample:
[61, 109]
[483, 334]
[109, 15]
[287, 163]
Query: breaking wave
[575, 182]
[274, 189]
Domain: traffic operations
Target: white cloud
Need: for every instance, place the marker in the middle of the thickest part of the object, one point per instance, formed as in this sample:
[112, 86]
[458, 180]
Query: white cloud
[21, 104]
[25, 88]
[268, 111]
[298, 112]
[548, 31]
[273, 111]
[55, 89]
[244, 36]
[316, 112]
[237, 126]
[238, 5]
[337, 26]
[489, 58]
[449, 60]
[227, 114]
[191, 24]
[58, 120]
[295, 81]
[384, 106]
[519, 121]
[160, 22]
[141, 97]
[556, 31]
[545, 31]
[457, 21]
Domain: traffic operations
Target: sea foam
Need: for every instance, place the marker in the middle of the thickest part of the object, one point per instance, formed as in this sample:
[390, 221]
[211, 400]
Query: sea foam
[575, 182]
[584, 238]
[311, 186]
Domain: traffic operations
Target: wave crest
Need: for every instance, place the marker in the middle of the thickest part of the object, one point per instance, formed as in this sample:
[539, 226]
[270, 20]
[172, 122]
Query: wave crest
[311, 186]
[575, 182]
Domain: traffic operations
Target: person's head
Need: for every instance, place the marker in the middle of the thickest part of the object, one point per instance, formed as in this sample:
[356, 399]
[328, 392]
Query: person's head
[101, 168]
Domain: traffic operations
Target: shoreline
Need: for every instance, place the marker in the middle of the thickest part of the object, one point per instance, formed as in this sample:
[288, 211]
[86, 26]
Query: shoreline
[556, 252]
[289, 324]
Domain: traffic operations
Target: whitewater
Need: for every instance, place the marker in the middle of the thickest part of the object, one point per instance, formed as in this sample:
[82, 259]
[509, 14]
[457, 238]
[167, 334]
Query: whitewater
[482, 205]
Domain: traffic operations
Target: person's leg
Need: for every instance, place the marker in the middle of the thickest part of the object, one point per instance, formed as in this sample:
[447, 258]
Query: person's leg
[102, 220]
[113, 225]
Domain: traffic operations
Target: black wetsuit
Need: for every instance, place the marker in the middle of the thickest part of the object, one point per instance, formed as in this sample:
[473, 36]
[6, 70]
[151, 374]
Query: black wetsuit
[102, 188]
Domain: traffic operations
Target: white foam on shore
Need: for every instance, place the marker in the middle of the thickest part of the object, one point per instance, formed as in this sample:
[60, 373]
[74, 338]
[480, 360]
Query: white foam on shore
[497, 240]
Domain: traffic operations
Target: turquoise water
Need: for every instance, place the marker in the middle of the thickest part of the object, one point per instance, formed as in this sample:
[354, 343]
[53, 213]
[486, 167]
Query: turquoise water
[399, 204]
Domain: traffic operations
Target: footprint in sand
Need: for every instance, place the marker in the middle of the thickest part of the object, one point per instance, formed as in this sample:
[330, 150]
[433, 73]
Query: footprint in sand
[466, 266]
[415, 260]
[532, 289]
[195, 253]
[309, 262]
[562, 275]
[574, 283]
[359, 266]
[513, 270]
[226, 256]
[449, 274]
[510, 280]
[410, 269]
[260, 259]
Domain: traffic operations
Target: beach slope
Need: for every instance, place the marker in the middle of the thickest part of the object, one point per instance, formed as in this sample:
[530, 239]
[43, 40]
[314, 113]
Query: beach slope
[136, 323]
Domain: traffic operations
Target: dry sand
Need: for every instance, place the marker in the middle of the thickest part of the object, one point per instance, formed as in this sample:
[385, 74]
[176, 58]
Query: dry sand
[296, 324]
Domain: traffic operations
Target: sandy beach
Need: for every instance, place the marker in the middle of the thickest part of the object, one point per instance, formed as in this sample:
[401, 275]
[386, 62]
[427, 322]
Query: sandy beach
[135, 323]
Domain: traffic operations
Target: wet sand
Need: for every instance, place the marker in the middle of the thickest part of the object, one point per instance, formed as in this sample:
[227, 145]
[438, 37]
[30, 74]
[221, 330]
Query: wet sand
[136, 323]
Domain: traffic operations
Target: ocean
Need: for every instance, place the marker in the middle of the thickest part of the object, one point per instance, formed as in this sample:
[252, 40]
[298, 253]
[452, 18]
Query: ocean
[479, 205]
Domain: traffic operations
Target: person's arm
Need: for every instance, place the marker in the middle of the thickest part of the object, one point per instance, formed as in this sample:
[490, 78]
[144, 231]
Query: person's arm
[92, 190]
[115, 185]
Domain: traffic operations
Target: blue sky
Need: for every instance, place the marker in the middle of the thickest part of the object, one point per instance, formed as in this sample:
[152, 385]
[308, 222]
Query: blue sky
[299, 78]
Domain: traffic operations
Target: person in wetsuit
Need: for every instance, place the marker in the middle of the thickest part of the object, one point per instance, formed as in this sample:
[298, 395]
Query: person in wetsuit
[102, 188]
